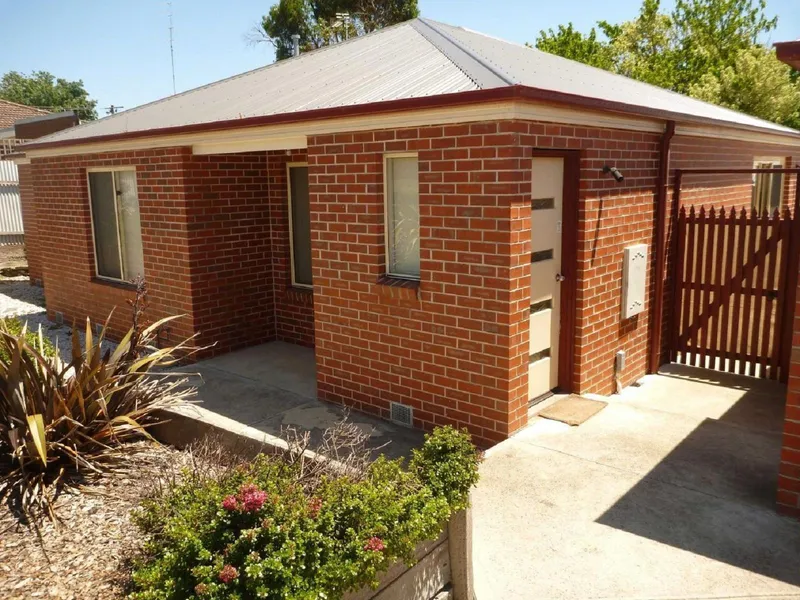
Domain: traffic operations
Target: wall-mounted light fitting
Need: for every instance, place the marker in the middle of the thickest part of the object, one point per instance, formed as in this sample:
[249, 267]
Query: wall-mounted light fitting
[615, 173]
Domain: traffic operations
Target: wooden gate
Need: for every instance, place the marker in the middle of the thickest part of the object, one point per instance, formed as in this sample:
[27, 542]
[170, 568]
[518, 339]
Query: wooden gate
[734, 291]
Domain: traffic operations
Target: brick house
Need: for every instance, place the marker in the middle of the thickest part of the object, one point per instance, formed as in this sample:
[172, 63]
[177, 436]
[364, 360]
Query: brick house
[436, 211]
[10, 113]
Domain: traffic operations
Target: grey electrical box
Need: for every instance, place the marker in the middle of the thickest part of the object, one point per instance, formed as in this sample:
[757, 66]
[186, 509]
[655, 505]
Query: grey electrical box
[634, 276]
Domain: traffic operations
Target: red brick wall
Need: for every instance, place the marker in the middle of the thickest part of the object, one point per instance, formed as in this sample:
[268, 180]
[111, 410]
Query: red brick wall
[230, 247]
[215, 236]
[611, 216]
[294, 307]
[62, 217]
[731, 191]
[33, 243]
[215, 244]
[379, 346]
[723, 190]
[452, 349]
[789, 471]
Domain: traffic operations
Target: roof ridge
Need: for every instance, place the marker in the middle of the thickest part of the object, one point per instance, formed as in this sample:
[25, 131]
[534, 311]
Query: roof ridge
[439, 39]
[126, 113]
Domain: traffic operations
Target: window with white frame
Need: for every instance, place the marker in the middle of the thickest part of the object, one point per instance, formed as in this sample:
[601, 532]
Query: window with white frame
[300, 225]
[115, 224]
[402, 215]
[767, 187]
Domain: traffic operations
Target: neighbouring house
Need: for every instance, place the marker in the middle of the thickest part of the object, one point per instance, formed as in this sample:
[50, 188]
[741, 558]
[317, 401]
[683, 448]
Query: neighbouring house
[789, 52]
[10, 213]
[10, 113]
[441, 214]
[20, 124]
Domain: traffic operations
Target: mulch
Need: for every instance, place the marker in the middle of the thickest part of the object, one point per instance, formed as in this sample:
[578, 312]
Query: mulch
[86, 555]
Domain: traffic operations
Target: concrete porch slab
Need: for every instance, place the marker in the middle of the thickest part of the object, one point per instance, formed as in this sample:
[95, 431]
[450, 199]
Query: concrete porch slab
[258, 391]
[666, 493]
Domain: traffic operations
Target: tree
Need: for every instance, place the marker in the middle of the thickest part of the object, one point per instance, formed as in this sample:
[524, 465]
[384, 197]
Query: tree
[708, 49]
[757, 83]
[710, 34]
[42, 90]
[321, 22]
[571, 43]
[645, 48]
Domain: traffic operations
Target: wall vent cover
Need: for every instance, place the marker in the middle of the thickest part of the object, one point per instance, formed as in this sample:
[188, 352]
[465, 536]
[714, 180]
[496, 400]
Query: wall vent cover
[59, 318]
[402, 414]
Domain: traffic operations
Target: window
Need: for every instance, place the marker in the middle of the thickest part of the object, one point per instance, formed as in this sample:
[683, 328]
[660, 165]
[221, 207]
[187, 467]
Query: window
[402, 216]
[116, 225]
[300, 225]
[767, 187]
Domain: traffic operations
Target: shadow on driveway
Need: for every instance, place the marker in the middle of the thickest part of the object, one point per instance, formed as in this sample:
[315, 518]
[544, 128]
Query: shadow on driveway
[732, 457]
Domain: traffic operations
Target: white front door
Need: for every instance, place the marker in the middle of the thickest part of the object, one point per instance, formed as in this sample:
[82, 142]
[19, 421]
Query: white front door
[546, 207]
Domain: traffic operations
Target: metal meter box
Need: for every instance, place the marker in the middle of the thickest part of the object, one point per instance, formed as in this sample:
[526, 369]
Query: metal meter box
[634, 274]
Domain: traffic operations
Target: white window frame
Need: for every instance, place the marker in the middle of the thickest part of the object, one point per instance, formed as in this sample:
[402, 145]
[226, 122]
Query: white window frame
[289, 167]
[112, 170]
[386, 224]
[777, 163]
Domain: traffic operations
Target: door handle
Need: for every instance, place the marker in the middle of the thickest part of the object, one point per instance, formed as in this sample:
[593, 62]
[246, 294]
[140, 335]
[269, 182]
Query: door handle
[559, 277]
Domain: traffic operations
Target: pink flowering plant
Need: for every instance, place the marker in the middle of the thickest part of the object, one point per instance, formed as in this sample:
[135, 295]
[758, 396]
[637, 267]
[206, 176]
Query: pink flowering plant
[262, 531]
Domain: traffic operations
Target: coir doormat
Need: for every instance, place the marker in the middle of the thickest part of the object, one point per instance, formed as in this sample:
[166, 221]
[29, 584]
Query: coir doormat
[573, 410]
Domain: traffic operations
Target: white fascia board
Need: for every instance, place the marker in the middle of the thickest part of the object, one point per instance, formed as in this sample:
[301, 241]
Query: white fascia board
[739, 135]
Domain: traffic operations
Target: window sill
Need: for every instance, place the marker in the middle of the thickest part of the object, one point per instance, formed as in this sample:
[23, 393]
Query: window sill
[300, 295]
[398, 287]
[121, 285]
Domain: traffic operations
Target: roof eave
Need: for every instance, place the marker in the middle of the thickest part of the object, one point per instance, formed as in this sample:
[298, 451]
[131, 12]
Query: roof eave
[620, 107]
[442, 100]
[438, 101]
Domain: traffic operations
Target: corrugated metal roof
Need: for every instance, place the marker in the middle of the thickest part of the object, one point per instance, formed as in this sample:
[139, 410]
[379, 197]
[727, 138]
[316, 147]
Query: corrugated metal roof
[393, 63]
[419, 58]
[10, 211]
[534, 68]
[8, 172]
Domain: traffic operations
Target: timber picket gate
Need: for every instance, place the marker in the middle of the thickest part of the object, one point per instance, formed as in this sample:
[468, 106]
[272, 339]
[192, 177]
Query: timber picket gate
[734, 286]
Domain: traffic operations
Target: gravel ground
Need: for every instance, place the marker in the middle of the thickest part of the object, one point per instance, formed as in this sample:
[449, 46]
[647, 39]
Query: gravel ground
[18, 298]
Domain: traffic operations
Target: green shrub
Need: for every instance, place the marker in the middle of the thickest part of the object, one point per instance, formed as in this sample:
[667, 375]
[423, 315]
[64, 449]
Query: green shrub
[14, 326]
[261, 531]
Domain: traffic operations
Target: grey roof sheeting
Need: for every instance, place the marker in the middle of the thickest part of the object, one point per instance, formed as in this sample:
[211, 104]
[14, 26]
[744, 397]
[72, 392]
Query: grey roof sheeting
[418, 58]
[534, 68]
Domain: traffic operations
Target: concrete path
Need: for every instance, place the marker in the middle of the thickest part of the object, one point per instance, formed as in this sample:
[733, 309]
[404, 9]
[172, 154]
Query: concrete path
[666, 493]
[260, 390]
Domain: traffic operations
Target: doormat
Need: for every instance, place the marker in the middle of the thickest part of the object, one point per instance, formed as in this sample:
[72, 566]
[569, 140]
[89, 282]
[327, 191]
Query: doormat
[573, 410]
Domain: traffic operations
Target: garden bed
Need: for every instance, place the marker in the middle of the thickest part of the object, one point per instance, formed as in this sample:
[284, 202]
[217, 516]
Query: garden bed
[86, 555]
[94, 511]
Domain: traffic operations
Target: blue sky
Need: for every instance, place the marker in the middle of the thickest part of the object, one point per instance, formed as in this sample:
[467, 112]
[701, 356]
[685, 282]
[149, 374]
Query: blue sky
[120, 48]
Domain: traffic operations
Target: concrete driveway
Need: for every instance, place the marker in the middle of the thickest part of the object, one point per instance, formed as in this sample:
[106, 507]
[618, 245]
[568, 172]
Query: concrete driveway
[666, 493]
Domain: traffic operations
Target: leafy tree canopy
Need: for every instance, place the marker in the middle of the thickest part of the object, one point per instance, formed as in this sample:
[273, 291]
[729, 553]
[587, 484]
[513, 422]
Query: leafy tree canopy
[757, 83]
[709, 49]
[321, 22]
[571, 43]
[42, 90]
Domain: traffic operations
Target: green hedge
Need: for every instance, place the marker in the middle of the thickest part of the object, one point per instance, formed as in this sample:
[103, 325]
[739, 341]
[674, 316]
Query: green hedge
[255, 532]
[14, 325]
